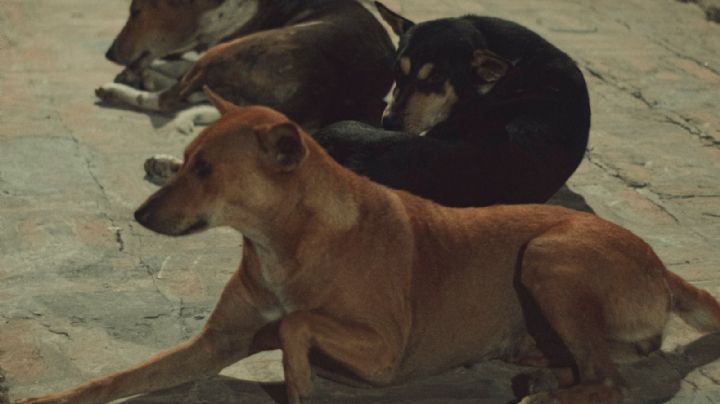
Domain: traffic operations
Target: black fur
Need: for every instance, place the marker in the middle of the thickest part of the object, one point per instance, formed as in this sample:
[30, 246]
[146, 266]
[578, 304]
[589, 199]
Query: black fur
[517, 144]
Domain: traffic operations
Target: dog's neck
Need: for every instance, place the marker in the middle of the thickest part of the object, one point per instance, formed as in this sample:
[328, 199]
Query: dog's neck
[320, 209]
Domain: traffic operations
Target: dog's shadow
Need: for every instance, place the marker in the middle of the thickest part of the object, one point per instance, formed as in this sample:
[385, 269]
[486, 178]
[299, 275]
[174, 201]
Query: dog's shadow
[654, 379]
[570, 199]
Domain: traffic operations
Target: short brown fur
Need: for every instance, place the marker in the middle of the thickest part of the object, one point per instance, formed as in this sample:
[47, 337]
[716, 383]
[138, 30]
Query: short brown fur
[386, 284]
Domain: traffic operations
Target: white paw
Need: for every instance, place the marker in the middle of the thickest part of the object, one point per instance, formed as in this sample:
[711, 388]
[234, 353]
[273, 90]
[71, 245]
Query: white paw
[110, 93]
[184, 125]
[116, 93]
[160, 168]
[185, 121]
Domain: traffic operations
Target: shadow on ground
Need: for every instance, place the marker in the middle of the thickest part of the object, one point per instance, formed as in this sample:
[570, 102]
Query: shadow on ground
[654, 379]
[570, 199]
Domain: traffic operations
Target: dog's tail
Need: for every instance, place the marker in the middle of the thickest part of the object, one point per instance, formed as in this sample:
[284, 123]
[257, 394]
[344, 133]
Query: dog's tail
[696, 306]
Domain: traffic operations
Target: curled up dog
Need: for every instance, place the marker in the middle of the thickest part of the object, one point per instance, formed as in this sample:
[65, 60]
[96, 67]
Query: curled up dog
[503, 115]
[388, 286]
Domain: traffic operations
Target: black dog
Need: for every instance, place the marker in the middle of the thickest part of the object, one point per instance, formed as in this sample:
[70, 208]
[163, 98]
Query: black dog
[489, 111]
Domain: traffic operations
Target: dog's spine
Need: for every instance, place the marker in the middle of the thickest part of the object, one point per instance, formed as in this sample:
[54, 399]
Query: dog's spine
[696, 306]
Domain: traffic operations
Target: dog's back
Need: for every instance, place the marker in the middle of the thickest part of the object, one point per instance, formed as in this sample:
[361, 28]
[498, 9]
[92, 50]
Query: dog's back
[318, 62]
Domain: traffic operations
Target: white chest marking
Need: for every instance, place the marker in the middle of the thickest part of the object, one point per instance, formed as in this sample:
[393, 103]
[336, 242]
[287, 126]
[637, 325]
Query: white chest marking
[274, 275]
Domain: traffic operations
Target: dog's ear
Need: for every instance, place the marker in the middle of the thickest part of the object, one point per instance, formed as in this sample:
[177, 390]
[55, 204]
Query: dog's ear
[489, 66]
[219, 102]
[398, 23]
[285, 146]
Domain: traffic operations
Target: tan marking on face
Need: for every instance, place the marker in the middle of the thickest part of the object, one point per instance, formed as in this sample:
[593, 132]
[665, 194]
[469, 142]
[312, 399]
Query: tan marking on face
[405, 65]
[425, 71]
[424, 111]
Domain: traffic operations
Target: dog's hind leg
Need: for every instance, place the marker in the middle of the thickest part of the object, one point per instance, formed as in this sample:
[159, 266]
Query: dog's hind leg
[576, 314]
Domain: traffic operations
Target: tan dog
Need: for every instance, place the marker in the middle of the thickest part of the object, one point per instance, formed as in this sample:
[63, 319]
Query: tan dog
[387, 285]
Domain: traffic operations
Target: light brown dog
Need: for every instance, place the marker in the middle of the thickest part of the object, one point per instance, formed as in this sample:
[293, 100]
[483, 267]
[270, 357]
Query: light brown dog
[387, 286]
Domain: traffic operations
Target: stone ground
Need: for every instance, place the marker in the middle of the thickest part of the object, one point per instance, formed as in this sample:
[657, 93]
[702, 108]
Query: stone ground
[85, 291]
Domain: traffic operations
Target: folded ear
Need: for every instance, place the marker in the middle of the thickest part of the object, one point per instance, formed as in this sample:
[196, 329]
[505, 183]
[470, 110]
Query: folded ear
[284, 145]
[398, 23]
[489, 66]
[219, 102]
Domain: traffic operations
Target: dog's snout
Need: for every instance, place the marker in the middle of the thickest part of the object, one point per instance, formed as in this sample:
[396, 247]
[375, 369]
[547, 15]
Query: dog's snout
[391, 122]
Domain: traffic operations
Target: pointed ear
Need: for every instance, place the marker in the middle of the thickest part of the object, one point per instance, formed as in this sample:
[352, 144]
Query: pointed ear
[219, 102]
[284, 145]
[489, 66]
[398, 23]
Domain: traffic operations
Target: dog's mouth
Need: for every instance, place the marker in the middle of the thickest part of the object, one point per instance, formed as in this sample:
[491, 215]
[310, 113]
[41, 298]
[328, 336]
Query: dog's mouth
[200, 225]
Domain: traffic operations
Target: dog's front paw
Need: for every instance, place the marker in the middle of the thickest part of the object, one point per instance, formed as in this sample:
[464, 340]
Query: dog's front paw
[109, 93]
[159, 169]
[183, 124]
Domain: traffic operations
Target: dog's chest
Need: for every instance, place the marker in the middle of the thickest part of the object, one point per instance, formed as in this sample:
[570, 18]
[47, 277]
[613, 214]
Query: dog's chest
[274, 276]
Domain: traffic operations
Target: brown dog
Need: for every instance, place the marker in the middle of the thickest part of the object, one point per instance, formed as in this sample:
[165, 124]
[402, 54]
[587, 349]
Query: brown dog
[318, 61]
[389, 286]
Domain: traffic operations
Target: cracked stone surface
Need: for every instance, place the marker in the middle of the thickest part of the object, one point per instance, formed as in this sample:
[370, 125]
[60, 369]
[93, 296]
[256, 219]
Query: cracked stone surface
[85, 291]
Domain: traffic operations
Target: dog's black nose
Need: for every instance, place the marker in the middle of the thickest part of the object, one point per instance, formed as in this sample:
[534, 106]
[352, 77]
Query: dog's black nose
[391, 122]
[142, 214]
[110, 54]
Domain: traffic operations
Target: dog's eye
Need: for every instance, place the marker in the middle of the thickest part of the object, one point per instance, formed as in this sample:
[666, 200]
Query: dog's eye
[202, 168]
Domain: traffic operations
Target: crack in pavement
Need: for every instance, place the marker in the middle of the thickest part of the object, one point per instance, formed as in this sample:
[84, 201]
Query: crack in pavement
[117, 230]
[708, 376]
[597, 161]
[684, 123]
[676, 53]
[670, 117]
[641, 188]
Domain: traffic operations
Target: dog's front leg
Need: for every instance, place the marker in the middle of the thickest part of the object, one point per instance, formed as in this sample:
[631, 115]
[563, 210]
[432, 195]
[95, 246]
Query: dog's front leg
[121, 94]
[226, 338]
[357, 347]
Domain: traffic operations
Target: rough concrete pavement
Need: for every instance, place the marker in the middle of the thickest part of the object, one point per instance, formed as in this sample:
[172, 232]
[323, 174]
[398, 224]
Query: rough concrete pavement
[85, 291]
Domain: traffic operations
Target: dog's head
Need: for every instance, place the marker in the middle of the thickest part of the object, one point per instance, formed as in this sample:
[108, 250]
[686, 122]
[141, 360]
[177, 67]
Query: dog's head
[158, 28]
[237, 173]
[439, 64]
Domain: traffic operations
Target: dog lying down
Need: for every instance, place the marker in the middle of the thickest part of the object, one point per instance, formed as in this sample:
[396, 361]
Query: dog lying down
[505, 115]
[387, 286]
[318, 61]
